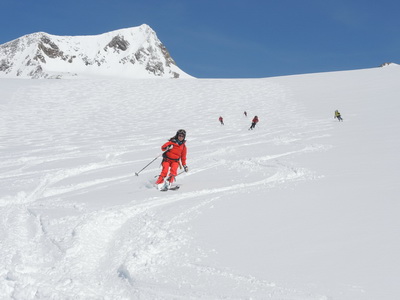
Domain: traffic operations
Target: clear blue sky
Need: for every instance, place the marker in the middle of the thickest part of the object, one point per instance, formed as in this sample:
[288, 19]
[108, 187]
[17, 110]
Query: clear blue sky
[231, 38]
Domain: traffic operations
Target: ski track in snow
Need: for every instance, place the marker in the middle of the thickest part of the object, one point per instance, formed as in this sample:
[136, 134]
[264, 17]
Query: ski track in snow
[70, 139]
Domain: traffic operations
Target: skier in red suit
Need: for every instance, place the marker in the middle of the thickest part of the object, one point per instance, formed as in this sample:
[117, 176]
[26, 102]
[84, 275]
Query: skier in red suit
[253, 123]
[176, 151]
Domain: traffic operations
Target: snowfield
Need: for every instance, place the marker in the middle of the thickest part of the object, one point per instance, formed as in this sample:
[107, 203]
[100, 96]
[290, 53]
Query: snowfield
[302, 207]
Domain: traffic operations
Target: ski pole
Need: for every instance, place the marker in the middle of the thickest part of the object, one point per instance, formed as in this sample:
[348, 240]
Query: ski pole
[176, 175]
[137, 173]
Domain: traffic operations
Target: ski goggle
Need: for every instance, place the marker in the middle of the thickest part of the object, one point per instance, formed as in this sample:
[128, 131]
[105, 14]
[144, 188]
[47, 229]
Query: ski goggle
[182, 132]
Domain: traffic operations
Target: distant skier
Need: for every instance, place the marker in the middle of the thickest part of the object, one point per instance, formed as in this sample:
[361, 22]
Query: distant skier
[338, 116]
[245, 113]
[253, 123]
[176, 151]
[221, 119]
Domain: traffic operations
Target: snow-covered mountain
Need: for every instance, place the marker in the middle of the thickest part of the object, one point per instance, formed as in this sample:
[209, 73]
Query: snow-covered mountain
[128, 53]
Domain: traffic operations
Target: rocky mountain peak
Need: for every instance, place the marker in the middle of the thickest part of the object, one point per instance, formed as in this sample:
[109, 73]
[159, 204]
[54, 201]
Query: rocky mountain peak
[130, 53]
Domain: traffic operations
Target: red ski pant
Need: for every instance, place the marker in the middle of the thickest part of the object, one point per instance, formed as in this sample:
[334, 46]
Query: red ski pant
[172, 165]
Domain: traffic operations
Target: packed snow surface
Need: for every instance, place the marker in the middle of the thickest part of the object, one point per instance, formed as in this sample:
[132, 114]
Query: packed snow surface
[302, 207]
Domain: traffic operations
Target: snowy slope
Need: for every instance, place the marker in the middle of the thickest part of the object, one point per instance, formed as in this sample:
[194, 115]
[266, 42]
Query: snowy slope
[303, 207]
[126, 53]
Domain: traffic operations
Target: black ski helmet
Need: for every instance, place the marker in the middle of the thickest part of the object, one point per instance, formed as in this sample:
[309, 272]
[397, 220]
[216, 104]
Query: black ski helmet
[181, 131]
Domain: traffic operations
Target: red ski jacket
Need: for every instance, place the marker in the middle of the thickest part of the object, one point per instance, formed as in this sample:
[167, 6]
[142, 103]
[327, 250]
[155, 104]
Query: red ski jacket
[177, 152]
[255, 120]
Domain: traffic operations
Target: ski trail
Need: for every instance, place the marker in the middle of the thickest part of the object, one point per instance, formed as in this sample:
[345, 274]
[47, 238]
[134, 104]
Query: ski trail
[99, 238]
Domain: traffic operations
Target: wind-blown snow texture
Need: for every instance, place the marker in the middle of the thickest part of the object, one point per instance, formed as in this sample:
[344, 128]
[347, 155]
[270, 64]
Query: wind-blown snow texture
[126, 53]
[302, 207]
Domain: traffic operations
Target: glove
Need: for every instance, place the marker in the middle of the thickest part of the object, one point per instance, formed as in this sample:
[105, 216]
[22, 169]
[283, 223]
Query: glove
[186, 168]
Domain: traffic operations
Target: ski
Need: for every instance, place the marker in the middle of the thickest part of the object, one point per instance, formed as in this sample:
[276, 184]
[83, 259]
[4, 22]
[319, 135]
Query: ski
[167, 188]
[174, 188]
